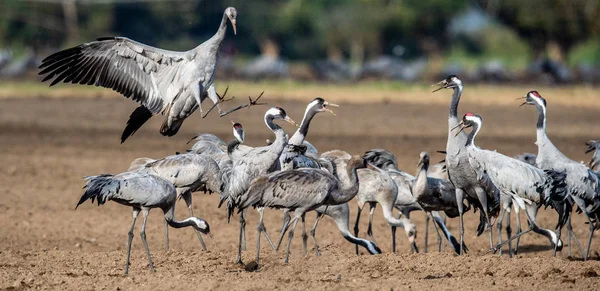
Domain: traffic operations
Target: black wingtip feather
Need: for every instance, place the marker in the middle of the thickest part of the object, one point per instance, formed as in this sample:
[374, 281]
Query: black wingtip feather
[137, 118]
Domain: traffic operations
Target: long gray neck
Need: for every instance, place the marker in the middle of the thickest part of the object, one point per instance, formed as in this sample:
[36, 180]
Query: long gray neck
[302, 131]
[472, 135]
[280, 136]
[348, 178]
[420, 183]
[217, 38]
[542, 138]
[454, 103]
[170, 219]
[455, 142]
[232, 146]
[359, 241]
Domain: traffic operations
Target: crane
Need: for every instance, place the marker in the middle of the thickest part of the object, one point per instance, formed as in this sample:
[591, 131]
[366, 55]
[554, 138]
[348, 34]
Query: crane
[583, 184]
[142, 192]
[528, 186]
[481, 193]
[164, 82]
[300, 190]
[256, 162]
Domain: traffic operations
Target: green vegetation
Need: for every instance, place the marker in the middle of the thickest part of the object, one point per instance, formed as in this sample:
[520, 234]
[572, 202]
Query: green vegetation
[303, 30]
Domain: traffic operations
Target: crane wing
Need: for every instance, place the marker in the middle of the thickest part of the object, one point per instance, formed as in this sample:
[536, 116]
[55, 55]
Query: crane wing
[131, 68]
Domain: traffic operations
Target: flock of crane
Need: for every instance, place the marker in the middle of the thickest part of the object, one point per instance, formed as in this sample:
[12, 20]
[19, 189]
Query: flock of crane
[289, 174]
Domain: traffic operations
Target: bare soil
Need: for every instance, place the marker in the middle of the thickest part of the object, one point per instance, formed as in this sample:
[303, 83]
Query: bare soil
[48, 145]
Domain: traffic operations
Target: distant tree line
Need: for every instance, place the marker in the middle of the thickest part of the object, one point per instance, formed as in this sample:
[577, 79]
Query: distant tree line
[295, 29]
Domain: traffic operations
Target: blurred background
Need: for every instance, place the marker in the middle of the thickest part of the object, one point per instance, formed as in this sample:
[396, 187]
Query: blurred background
[499, 41]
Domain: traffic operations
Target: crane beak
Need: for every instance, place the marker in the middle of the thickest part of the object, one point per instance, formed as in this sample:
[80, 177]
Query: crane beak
[211, 238]
[441, 85]
[326, 104]
[291, 121]
[420, 163]
[232, 123]
[233, 23]
[524, 103]
[462, 127]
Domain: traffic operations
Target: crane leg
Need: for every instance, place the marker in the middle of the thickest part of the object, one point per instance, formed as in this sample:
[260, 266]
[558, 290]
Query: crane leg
[284, 227]
[143, 236]
[459, 200]
[166, 236]
[437, 232]
[519, 234]
[589, 244]
[304, 234]
[238, 260]
[508, 233]
[426, 231]
[290, 236]
[259, 230]
[130, 238]
[372, 206]
[359, 209]
[393, 239]
[313, 232]
[518, 218]
[571, 233]
[499, 227]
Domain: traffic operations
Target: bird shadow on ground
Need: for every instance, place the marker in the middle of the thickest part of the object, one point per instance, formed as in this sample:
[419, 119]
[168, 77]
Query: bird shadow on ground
[523, 249]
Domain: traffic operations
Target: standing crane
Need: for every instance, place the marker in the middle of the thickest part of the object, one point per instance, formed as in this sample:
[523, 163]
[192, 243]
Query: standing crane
[300, 190]
[256, 162]
[480, 191]
[528, 186]
[142, 192]
[189, 173]
[583, 184]
[164, 82]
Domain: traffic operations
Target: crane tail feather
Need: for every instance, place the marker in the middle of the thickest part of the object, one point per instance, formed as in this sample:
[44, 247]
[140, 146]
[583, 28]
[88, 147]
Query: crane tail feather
[100, 188]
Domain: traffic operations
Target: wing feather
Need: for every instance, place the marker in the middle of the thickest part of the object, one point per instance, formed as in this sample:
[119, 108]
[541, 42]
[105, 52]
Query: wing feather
[120, 64]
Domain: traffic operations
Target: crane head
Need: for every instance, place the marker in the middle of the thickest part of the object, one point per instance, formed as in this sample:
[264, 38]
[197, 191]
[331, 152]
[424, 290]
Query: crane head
[533, 98]
[238, 132]
[231, 13]
[450, 82]
[469, 119]
[423, 159]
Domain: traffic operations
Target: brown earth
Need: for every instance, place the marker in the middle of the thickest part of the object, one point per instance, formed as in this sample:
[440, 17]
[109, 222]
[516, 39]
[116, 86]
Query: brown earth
[48, 145]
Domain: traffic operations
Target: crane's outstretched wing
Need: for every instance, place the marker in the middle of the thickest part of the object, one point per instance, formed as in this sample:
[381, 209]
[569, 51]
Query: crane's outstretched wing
[133, 69]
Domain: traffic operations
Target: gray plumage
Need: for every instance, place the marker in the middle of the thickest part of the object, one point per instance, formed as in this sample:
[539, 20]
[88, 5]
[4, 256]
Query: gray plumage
[433, 193]
[377, 187]
[142, 192]
[528, 186]
[163, 82]
[526, 158]
[583, 184]
[258, 161]
[301, 190]
[593, 145]
[406, 200]
[209, 144]
[479, 191]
